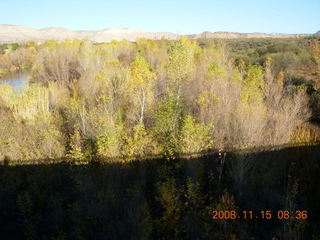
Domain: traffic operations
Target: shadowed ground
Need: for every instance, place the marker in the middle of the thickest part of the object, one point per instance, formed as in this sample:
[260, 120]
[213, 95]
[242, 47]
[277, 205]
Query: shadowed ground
[161, 199]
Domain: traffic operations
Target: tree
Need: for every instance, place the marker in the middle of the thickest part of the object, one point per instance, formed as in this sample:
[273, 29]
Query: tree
[181, 63]
[139, 143]
[142, 83]
[195, 137]
[167, 125]
[58, 62]
[75, 151]
[253, 85]
[109, 142]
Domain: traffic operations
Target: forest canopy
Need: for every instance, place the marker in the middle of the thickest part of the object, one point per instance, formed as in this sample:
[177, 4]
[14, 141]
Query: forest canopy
[129, 100]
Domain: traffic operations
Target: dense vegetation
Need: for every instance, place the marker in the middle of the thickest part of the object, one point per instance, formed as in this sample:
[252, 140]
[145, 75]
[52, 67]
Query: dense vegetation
[142, 118]
[128, 100]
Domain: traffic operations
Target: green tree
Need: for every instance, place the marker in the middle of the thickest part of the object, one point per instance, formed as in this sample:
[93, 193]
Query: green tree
[167, 125]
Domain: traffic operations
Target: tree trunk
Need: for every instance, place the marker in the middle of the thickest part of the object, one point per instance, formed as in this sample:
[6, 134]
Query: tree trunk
[143, 100]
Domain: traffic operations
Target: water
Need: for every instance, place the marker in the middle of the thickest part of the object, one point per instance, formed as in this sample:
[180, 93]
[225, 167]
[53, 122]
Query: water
[17, 80]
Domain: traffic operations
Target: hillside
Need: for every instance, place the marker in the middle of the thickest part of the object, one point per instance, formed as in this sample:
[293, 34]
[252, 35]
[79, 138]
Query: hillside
[14, 33]
[233, 35]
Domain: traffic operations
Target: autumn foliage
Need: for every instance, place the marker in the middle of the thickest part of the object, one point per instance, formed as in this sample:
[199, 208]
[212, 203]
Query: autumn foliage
[128, 100]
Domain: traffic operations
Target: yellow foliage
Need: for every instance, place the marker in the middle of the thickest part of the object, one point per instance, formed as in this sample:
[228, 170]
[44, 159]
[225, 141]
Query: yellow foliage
[32, 103]
[6, 92]
[109, 142]
[181, 61]
[216, 70]
[141, 73]
[75, 152]
[253, 85]
[305, 134]
[207, 98]
[195, 137]
[139, 143]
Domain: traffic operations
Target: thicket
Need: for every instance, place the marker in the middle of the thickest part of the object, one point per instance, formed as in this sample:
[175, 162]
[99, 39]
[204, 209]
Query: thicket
[295, 57]
[125, 101]
[128, 100]
[15, 57]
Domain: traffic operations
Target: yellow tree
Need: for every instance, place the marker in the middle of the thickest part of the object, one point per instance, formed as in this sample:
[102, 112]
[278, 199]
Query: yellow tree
[251, 112]
[181, 63]
[253, 85]
[195, 137]
[142, 83]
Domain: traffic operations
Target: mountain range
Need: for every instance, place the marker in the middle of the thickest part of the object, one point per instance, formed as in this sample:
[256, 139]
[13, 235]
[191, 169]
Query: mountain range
[19, 34]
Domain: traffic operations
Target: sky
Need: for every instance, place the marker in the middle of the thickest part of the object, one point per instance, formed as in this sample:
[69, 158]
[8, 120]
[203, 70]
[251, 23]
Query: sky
[177, 16]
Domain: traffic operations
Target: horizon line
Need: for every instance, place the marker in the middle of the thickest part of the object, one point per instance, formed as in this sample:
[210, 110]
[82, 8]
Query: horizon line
[206, 31]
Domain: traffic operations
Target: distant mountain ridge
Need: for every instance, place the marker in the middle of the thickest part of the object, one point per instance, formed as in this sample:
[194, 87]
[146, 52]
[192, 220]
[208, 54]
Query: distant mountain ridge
[16, 33]
[230, 35]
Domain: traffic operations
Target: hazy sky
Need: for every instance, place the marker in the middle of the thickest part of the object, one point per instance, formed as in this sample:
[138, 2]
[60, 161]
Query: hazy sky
[184, 17]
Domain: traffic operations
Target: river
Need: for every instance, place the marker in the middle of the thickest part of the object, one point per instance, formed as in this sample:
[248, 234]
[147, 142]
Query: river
[16, 80]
